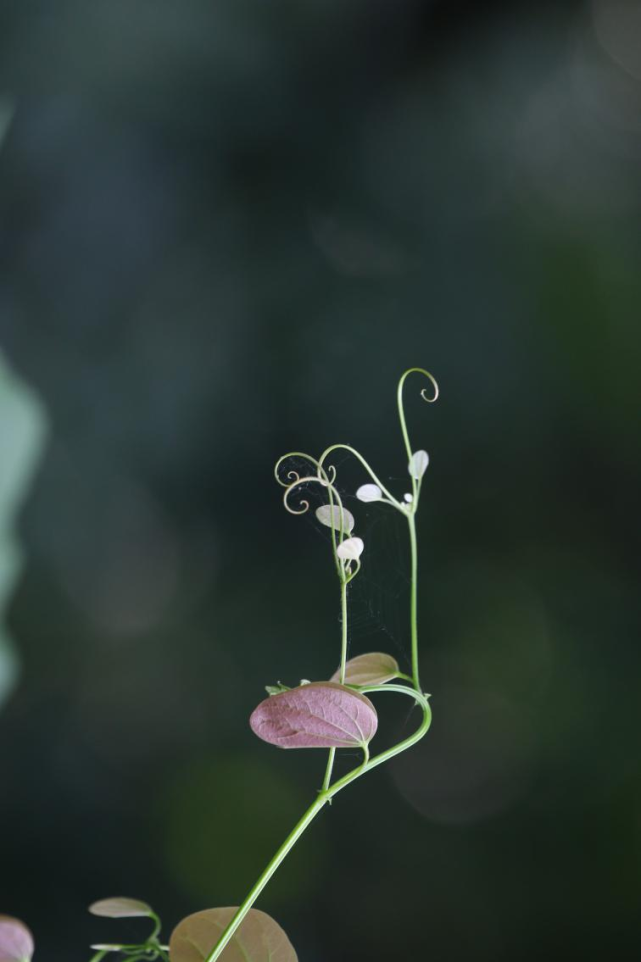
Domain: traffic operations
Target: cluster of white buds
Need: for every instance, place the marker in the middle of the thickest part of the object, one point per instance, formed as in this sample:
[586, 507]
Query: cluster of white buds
[348, 548]
[416, 469]
[342, 520]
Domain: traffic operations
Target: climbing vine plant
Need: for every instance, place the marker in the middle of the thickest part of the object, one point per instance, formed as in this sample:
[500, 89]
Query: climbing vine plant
[331, 715]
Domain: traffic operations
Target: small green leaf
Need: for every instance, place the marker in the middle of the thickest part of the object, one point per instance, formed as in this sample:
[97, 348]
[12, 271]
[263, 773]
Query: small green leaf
[258, 939]
[276, 689]
[374, 668]
[120, 907]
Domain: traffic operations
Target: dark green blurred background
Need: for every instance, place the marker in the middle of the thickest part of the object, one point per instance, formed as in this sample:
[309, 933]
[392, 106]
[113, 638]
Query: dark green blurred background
[226, 229]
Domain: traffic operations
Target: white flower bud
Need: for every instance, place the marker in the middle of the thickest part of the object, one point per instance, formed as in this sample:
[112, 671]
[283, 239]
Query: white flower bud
[418, 464]
[351, 549]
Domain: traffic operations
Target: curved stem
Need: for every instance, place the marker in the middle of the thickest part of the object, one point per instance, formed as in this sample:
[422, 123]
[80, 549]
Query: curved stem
[402, 746]
[292, 475]
[157, 927]
[340, 564]
[323, 798]
[359, 457]
[401, 407]
[322, 479]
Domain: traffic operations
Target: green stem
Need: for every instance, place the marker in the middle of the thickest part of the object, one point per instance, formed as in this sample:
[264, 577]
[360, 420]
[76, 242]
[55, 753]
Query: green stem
[157, 927]
[414, 601]
[323, 798]
[329, 769]
[343, 631]
[332, 751]
[385, 756]
[416, 482]
[285, 848]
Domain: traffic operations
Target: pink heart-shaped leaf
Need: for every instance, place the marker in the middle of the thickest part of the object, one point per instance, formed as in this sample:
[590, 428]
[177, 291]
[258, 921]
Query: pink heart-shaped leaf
[16, 941]
[320, 715]
[374, 668]
[259, 938]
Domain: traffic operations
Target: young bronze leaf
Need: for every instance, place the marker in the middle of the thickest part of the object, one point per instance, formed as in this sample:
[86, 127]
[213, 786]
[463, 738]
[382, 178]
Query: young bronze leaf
[120, 907]
[319, 715]
[374, 668]
[259, 938]
[16, 941]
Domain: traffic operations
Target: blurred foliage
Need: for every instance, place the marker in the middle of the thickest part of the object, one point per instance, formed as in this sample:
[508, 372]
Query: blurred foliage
[22, 433]
[226, 230]
[6, 113]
